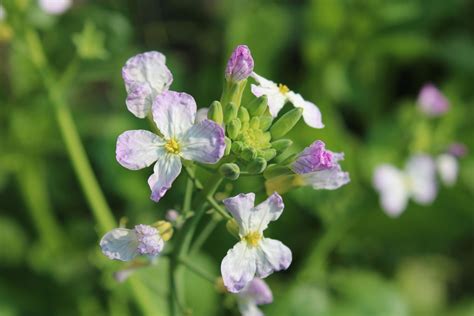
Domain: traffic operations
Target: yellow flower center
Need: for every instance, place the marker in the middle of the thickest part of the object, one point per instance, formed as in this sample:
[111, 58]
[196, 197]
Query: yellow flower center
[283, 88]
[172, 146]
[253, 238]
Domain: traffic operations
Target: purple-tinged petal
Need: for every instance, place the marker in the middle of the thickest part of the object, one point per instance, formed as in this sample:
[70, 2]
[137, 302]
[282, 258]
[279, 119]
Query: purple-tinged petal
[238, 267]
[421, 171]
[172, 215]
[249, 308]
[203, 142]
[393, 192]
[166, 169]
[272, 255]
[55, 7]
[120, 244]
[329, 179]
[458, 150]
[258, 291]
[174, 113]
[315, 158]
[240, 207]
[138, 149]
[311, 113]
[265, 212]
[448, 168]
[149, 240]
[145, 76]
[431, 101]
[240, 64]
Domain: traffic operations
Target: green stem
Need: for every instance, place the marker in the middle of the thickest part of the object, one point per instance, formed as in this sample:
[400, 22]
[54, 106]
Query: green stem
[198, 271]
[204, 235]
[217, 207]
[75, 149]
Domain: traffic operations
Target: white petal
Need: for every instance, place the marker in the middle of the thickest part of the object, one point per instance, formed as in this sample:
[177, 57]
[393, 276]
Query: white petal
[311, 113]
[165, 171]
[201, 114]
[391, 185]
[265, 212]
[448, 168]
[240, 207]
[203, 142]
[421, 171]
[276, 100]
[174, 113]
[238, 267]
[120, 244]
[138, 149]
[249, 308]
[272, 255]
[329, 179]
[145, 76]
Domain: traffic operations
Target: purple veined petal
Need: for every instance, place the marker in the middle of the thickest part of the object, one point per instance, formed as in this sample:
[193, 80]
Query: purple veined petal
[55, 7]
[265, 212]
[314, 158]
[421, 171]
[120, 244]
[448, 168]
[165, 171]
[272, 255]
[276, 100]
[201, 115]
[240, 64]
[149, 240]
[238, 267]
[203, 142]
[390, 184]
[311, 113]
[174, 113]
[138, 149]
[240, 206]
[258, 291]
[431, 101]
[329, 179]
[146, 76]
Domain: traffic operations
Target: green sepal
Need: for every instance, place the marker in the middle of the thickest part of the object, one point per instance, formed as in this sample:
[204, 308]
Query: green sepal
[285, 123]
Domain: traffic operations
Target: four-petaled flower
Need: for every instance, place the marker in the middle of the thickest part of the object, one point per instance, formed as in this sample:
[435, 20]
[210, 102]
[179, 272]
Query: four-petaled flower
[254, 255]
[279, 94]
[125, 244]
[396, 186]
[255, 293]
[320, 168]
[174, 114]
[431, 101]
[146, 76]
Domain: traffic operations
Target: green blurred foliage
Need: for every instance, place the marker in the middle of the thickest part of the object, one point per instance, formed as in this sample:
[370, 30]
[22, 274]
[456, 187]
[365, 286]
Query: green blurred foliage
[362, 62]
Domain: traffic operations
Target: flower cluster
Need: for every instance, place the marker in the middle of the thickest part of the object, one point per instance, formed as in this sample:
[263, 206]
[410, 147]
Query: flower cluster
[418, 180]
[227, 139]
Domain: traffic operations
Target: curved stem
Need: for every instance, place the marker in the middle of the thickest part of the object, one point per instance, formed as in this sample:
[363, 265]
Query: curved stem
[198, 271]
[218, 208]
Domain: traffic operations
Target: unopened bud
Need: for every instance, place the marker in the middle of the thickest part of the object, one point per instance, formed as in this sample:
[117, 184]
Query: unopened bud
[257, 165]
[265, 122]
[172, 215]
[233, 227]
[230, 171]
[228, 145]
[230, 112]
[285, 123]
[275, 171]
[233, 128]
[240, 64]
[215, 112]
[258, 106]
[249, 154]
[282, 144]
[267, 154]
[243, 114]
[165, 229]
[237, 147]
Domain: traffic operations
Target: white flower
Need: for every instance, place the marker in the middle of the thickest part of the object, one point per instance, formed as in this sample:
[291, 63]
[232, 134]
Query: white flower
[254, 255]
[279, 94]
[448, 168]
[55, 7]
[395, 186]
